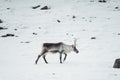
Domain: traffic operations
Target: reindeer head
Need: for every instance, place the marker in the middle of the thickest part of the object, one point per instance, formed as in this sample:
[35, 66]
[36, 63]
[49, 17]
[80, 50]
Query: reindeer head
[74, 46]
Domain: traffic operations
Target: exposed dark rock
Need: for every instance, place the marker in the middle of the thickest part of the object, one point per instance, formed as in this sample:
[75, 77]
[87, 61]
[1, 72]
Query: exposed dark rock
[117, 7]
[39, 27]
[53, 73]
[91, 0]
[35, 7]
[83, 17]
[2, 28]
[25, 42]
[93, 37]
[73, 17]
[45, 8]
[66, 33]
[21, 42]
[83, 30]
[117, 63]
[90, 20]
[58, 21]
[8, 35]
[118, 33]
[34, 33]
[1, 21]
[8, 8]
[102, 1]
[15, 29]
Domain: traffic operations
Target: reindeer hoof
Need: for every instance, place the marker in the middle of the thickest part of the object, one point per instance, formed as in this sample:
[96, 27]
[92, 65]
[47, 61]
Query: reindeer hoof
[61, 62]
[46, 62]
[35, 63]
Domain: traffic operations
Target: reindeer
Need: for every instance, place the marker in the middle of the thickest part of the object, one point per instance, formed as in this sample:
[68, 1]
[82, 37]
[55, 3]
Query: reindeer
[60, 48]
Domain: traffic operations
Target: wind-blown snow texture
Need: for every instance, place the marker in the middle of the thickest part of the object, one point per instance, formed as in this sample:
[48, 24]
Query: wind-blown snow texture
[96, 26]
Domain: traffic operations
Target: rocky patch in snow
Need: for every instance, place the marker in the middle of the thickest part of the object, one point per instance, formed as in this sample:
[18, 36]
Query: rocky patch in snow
[1, 21]
[45, 8]
[8, 35]
[2, 28]
[35, 7]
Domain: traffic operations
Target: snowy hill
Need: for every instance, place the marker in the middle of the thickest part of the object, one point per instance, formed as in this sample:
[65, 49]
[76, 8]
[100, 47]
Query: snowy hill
[96, 26]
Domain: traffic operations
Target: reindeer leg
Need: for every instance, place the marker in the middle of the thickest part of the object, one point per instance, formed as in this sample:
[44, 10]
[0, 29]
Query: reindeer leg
[60, 57]
[45, 59]
[65, 56]
[38, 58]
[43, 52]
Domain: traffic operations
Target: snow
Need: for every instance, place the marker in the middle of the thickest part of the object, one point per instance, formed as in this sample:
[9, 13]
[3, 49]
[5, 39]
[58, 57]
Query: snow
[92, 19]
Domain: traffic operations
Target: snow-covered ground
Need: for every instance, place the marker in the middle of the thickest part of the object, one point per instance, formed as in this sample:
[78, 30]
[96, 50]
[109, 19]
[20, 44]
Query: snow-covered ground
[32, 27]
